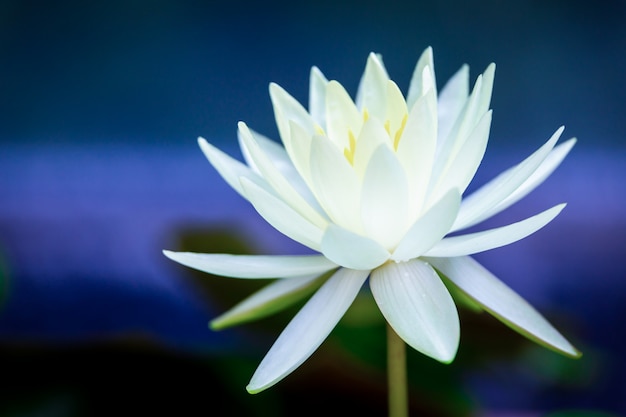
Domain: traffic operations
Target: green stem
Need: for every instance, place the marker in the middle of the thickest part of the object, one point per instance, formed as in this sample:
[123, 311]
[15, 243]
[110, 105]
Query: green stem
[396, 375]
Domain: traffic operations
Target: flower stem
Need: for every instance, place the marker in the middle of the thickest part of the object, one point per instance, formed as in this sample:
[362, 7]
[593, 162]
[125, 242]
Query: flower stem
[396, 375]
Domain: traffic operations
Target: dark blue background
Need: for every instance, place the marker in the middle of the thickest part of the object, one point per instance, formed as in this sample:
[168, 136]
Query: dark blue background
[101, 104]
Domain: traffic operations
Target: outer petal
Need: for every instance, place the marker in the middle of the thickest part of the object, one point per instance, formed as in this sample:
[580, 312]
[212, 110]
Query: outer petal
[270, 299]
[279, 183]
[429, 229]
[229, 168]
[253, 266]
[498, 299]
[418, 306]
[286, 109]
[493, 238]
[282, 216]
[490, 198]
[308, 329]
[451, 101]
[351, 250]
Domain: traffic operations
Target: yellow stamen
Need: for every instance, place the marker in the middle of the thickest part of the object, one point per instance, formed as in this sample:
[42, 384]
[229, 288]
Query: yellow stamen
[398, 135]
[349, 152]
[388, 127]
[319, 130]
[366, 115]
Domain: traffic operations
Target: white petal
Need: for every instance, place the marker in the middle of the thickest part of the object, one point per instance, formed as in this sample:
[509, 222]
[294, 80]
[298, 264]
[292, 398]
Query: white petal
[317, 97]
[463, 166]
[229, 168]
[493, 238]
[286, 109]
[308, 329]
[418, 307]
[373, 135]
[395, 109]
[279, 183]
[429, 229]
[335, 184]
[253, 266]
[342, 116]
[451, 101]
[351, 250]
[268, 300]
[281, 160]
[384, 198]
[482, 203]
[372, 91]
[498, 299]
[416, 148]
[417, 87]
[282, 216]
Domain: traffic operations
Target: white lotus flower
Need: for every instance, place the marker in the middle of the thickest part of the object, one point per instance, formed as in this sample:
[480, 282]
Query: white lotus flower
[374, 185]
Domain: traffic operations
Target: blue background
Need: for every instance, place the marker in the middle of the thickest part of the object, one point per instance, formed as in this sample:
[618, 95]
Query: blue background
[100, 107]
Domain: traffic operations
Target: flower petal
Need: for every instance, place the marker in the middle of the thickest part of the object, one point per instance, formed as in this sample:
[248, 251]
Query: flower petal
[279, 183]
[502, 302]
[420, 83]
[461, 169]
[451, 101]
[282, 216]
[286, 109]
[272, 298]
[350, 250]
[253, 266]
[229, 168]
[429, 229]
[418, 307]
[335, 183]
[493, 238]
[317, 97]
[372, 92]
[502, 191]
[416, 148]
[342, 117]
[384, 198]
[308, 329]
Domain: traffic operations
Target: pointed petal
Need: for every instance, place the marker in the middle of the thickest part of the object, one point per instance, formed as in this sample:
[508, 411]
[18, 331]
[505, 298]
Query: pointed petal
[286, 109]
[384, 198]
[451, 101]
[351, 250]
[429, 229]
[279, 158]
[502, 302]
[272, 298]
[395, 109]
[418, 87]
[418, 306]
[317, 97]
[253, 266]
[462, 168]
[493, 238]
[335, 184]
[279, 183]
[342, 116]
[482, 203]
[229, 168]
[372, 91]
[308, 329]
[416, 148]
[282, 216]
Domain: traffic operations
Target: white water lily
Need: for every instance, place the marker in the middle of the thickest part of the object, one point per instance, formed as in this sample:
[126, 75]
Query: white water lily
[375, 185]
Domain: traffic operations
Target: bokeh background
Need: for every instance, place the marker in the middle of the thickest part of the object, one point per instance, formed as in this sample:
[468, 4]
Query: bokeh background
[100, 107]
